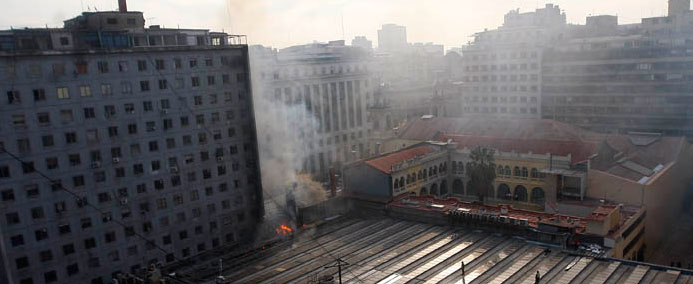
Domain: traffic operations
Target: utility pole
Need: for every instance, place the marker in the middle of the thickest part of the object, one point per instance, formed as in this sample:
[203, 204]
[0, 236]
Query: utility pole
[339, 267]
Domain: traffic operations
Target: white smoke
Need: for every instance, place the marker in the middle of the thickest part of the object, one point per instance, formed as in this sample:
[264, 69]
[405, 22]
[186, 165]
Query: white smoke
[285, 130]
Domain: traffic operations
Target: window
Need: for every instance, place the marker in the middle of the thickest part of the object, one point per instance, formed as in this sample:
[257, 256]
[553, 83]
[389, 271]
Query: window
[13, 97]
[177, 63]
[144, 86]
[18, 121]
[210, 80]
[46, 255]
[122, 66]
[193, 63]
[63, 93]
[17, 240]
[12, 218]
[195, 81]
[7, 195]
[81, 68]
[147, 106]
[72, 269]
[159, 64]
[89, 113]
[103, 66]
[126, 87]
[37, 213]
[70, 137]
[68, 249]
[41, 234]
[39, 95]
[106, 90]
[89, 243]
[52, 163]
[47, 141]
[163, 84]
[22, 262]
[141, 65]
[66, 116]
[43, 118]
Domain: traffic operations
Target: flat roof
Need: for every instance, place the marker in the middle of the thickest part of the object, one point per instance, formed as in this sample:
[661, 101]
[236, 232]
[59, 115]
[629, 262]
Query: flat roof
[385, 250]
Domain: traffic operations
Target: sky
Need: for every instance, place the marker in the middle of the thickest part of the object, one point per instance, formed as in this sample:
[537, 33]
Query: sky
[282, 23]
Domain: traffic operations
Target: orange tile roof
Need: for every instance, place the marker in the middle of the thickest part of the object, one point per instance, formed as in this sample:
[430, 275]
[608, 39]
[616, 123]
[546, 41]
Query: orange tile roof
[579, 150]
[385, 162]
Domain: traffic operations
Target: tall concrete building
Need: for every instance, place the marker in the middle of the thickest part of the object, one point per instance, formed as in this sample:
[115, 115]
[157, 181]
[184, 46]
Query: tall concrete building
[363, 42]
[620, 78]
[138, 148]
[323, 91]
[502, 67]
[392, 38]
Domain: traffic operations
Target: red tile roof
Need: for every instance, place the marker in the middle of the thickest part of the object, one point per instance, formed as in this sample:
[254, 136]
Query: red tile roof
[520, 128]
[384, 163]
[579, 150]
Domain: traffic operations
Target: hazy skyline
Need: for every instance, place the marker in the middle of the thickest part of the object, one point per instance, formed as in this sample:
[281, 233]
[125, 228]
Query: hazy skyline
[282, 23]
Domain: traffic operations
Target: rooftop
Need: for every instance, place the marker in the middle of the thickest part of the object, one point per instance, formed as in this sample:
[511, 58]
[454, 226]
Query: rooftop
[385, 162]
[384, 250]
[518, 128]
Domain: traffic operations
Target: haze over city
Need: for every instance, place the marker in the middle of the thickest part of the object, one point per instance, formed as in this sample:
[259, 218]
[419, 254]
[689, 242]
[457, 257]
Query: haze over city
[282, 23]
[324, 142]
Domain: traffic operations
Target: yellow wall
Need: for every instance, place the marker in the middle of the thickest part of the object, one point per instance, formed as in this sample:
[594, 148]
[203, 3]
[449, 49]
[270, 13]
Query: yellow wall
[512, 181]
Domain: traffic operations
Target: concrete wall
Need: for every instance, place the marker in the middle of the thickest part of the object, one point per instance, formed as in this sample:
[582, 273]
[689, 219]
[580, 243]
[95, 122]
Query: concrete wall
[366, 180]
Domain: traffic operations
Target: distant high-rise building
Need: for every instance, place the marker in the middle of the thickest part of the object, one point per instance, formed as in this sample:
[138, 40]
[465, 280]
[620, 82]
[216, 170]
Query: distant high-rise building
[362, 41]
[392, 38]
[146, 137]
[502, 67]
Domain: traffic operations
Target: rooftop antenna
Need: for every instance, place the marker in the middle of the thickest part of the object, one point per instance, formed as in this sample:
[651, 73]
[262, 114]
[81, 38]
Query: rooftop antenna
[343, 38]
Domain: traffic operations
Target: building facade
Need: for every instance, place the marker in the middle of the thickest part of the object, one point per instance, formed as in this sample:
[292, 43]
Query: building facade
[502, 67]
[323, 90]
[138, 148]
[392, 38]
[619, 78]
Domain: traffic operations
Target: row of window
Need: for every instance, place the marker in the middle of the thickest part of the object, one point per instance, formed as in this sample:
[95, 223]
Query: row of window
[502, 99]
[504, 171]
[82, 67]
[501, 67]
[502, 89]
[502, 78]
[423, 174]
[15, 97]
[501, 110]
[296, 72]
[114, 256]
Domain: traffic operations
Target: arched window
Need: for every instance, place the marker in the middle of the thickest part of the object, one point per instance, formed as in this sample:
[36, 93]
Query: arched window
[535, 173]
[425, 174]
[408, 178]
[420, 175]
[401, 182]
[454, 166]
[441, 167]
[435, 170]
[503, 192]
[413, 177]
[520, 194]
[525, 173]
[396, 183]
[458, 187]
[538, 196]
[460, 167]
[516, 171]
[500, 170]
[507, 171]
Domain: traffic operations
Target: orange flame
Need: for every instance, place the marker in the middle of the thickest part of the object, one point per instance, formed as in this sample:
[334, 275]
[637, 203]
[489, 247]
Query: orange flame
[284, 230]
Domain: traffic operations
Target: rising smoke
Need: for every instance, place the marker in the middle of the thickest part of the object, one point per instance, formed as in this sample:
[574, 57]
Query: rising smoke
[285, 129]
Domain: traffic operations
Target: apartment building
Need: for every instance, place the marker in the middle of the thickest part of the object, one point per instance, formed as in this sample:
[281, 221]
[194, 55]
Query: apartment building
[619, 78]
[502, 67]
[137, 146]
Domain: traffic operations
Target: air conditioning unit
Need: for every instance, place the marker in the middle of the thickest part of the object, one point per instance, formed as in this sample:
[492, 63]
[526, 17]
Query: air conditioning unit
[220, 158]
[95, 165]
[123, 201]
[116, 160]
[174, 170]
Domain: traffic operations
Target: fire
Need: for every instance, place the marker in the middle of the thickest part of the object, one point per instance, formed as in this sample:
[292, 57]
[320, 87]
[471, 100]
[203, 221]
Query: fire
[284, 230]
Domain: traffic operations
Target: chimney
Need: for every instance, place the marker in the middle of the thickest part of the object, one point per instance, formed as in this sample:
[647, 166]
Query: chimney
[122, 6]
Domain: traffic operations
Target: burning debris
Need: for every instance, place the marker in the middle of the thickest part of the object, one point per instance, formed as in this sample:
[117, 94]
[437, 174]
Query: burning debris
[284, 230]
